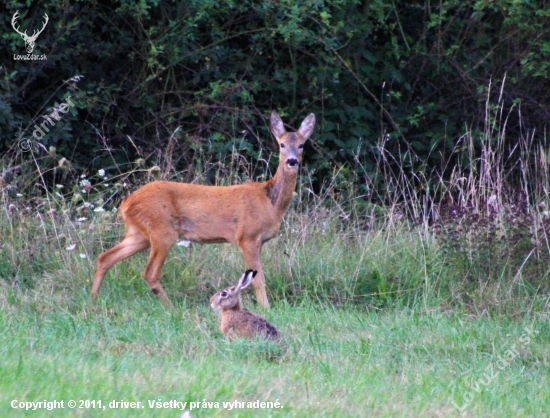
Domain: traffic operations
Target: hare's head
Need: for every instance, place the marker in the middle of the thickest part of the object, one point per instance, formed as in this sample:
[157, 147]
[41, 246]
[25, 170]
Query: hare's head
[230, 298]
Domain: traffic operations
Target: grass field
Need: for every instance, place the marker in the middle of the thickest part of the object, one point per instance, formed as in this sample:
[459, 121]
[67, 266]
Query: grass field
[423, 309]
[340, 362]
[374, 327]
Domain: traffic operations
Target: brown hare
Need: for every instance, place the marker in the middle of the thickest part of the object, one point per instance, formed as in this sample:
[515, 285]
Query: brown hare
[238, 322]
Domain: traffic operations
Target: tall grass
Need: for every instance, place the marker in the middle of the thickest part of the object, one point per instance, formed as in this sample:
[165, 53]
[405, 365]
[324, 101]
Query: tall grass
[475, 233]
[393, 303]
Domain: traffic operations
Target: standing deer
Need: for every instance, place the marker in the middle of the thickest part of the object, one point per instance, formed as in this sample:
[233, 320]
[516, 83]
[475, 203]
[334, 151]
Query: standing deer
[248, 215]
[29, 40]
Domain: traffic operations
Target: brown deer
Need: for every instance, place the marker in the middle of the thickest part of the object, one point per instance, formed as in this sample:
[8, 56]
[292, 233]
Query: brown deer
[248, 215]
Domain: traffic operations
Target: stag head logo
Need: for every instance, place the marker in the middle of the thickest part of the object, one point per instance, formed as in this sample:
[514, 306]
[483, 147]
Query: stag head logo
[29, 40]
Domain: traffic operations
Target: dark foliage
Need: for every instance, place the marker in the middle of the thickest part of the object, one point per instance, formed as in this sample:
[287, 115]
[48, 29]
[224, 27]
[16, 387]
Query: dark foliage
[194, 78]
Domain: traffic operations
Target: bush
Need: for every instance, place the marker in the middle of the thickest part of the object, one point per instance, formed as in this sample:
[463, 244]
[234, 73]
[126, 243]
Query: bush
[184, 78]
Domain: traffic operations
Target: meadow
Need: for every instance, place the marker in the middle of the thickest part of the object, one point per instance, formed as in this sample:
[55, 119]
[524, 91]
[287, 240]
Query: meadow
[387, 310]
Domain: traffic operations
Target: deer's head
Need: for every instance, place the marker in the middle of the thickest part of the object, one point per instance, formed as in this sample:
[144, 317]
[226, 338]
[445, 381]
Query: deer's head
[29, 40]
[291, 144]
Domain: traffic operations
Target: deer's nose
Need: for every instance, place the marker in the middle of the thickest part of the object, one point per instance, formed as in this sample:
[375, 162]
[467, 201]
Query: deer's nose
[292, 162]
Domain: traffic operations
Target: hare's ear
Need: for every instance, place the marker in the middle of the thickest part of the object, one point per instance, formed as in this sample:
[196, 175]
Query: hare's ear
[246, 279]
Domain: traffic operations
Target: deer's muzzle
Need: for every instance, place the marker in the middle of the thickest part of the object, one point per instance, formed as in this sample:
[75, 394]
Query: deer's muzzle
[292, 162]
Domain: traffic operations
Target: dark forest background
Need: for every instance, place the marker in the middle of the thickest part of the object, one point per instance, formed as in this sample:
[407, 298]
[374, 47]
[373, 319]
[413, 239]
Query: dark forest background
[429, 82]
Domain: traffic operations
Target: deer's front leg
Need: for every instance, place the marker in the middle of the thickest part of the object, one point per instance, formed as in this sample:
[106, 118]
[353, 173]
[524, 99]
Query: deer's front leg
[252, 257]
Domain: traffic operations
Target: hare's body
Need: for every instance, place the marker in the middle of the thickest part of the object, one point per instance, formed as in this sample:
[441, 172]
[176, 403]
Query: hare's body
[238, 322]
[245, 324]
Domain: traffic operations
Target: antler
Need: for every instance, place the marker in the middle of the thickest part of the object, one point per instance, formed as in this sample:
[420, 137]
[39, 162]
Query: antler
[15, 16]
[36, 33]
[24, 34]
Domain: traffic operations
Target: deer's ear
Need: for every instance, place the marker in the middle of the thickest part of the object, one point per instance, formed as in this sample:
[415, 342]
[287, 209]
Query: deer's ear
[277, 126]
[307, 126]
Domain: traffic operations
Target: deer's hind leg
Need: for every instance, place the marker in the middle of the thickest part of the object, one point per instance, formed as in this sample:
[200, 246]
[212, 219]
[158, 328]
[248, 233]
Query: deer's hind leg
[133, 242]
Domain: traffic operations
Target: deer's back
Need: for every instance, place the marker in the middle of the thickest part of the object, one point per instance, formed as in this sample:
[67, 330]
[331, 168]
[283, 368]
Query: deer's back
[199, 213]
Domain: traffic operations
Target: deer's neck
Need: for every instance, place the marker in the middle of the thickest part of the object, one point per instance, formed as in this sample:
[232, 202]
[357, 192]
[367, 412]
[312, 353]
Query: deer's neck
[281, 188]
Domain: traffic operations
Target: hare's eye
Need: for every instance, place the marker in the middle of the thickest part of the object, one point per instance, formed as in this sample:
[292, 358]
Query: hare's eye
[301, 146]
[223, 294]
[282, 145]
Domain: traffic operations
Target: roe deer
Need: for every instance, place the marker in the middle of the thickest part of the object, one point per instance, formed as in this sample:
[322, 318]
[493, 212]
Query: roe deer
[248, 215]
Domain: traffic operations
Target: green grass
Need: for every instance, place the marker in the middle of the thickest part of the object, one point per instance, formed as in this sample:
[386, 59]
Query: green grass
[348, 361]
[386, 311]
[385, 323]
[374, 327]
